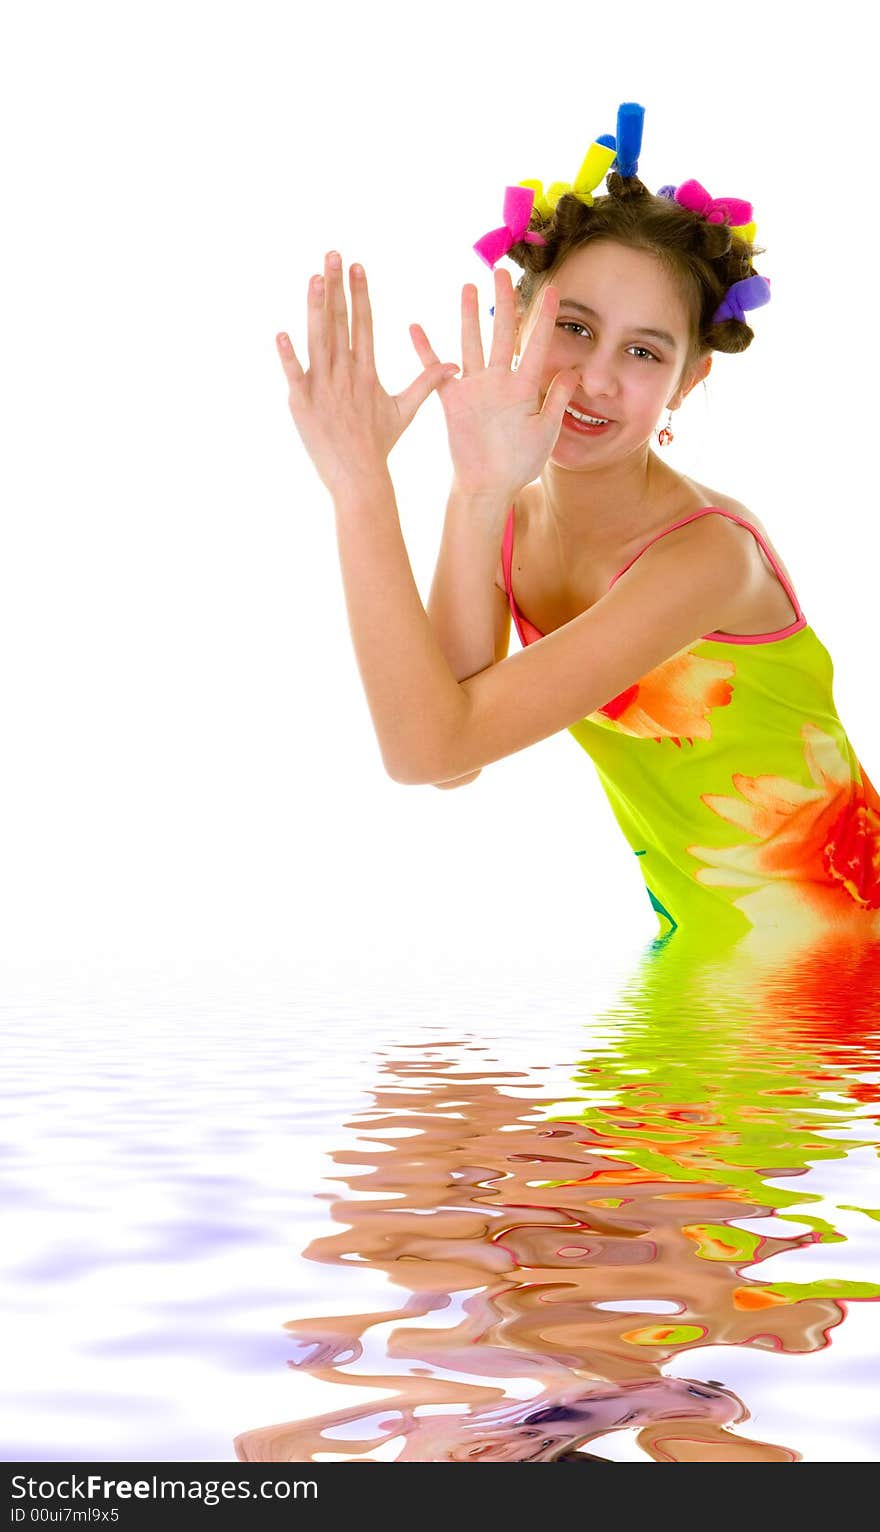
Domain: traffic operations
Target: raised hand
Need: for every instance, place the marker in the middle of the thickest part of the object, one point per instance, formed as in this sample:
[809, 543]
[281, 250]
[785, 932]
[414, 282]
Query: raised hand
[347, 422]
[500, 431]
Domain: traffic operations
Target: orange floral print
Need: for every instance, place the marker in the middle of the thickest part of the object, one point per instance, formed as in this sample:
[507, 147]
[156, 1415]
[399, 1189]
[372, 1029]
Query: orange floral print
[817, 848]
[674, 701]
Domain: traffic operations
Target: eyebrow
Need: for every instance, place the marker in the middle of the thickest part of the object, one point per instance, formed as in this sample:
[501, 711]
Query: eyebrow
[583, 308]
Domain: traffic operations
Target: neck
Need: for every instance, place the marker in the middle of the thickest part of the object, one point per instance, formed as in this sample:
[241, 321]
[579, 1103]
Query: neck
[590, 511]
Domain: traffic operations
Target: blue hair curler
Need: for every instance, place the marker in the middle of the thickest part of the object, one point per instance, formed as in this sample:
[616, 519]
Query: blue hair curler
[630, 121]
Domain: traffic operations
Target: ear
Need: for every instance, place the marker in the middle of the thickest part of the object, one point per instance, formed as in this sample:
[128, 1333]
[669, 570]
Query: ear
[701, 371]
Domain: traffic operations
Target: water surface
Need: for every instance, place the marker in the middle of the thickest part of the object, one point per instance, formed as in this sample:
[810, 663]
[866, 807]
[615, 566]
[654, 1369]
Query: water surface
[614, 1215]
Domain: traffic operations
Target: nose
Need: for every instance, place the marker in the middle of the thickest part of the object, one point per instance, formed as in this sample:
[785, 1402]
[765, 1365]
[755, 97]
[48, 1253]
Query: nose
[598, 377]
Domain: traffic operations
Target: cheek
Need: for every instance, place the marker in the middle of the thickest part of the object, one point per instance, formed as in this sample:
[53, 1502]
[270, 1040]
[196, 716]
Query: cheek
[560, 354]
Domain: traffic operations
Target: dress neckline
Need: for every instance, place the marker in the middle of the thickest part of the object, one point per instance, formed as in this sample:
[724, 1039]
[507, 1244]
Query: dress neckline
[729, 638]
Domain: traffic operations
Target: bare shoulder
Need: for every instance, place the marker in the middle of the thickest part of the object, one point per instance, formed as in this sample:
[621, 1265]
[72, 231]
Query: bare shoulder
[721, 533]
[714, 497]
[727, 533]
[727, 503]
[766, 605]
[706, 551]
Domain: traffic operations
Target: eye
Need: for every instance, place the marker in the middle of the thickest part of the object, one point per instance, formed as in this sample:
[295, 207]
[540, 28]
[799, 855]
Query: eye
[574, 324]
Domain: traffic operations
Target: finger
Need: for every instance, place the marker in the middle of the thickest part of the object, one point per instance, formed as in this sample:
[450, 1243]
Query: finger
[558, 395]
[429, 357]
[319, 358]
[501, 354]
[426, 353]
[361, 320]
[337, 312]
[289, 360]
[533, 358]
[414, 397]
[471, 343]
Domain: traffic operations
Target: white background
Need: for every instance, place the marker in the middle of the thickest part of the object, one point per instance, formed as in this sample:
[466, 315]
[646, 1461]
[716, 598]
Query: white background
[189, 767]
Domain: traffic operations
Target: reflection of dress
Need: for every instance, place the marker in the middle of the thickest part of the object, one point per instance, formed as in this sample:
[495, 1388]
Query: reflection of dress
[733, 779]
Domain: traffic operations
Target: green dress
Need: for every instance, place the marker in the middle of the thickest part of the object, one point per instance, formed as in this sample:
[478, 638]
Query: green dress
[732, 778]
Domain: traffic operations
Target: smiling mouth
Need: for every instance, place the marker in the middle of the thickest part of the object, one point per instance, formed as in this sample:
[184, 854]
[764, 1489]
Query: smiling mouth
[585, 427]
[586, 417]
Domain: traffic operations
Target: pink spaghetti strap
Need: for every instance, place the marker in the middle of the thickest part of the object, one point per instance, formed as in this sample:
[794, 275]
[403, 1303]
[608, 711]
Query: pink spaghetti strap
[528, 633]
[507, 551]
[737, 638]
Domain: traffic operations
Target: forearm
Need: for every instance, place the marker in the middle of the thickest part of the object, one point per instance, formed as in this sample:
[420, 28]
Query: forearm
[460, 606]
[416, 703]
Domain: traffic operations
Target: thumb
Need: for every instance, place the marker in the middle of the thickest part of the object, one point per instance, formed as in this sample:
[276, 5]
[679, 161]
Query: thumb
[414, 397]
[559, 394]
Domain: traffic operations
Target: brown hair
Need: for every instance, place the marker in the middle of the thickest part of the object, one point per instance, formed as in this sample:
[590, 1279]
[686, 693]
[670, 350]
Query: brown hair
[703, 259]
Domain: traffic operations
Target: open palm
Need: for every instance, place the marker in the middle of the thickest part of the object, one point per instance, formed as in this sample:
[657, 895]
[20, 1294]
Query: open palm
[347, 421]
[500, 430]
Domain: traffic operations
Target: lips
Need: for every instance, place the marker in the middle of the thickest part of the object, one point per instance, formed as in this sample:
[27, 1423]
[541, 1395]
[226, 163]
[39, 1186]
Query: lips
[582, 427]
[585, 410]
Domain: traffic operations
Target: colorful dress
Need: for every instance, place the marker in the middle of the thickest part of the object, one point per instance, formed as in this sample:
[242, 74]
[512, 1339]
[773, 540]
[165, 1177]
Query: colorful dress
[732, 778]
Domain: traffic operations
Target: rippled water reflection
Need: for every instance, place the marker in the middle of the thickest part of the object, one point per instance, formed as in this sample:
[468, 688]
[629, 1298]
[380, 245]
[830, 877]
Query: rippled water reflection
[472, 1228]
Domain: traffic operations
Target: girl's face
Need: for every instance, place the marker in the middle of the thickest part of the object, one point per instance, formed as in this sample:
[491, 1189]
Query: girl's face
[626, 374]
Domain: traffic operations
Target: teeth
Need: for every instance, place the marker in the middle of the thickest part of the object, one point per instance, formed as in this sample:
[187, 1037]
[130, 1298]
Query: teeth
[592, 420]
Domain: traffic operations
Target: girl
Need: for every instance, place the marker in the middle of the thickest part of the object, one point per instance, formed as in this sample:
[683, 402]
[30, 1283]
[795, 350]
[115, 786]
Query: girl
[658, 623]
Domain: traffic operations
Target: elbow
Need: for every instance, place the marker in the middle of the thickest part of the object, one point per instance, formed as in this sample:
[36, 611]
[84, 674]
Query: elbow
[469, 776]
[411, 776]
[424, 779]
[426, 772]
[403, 772]
[426, 760]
